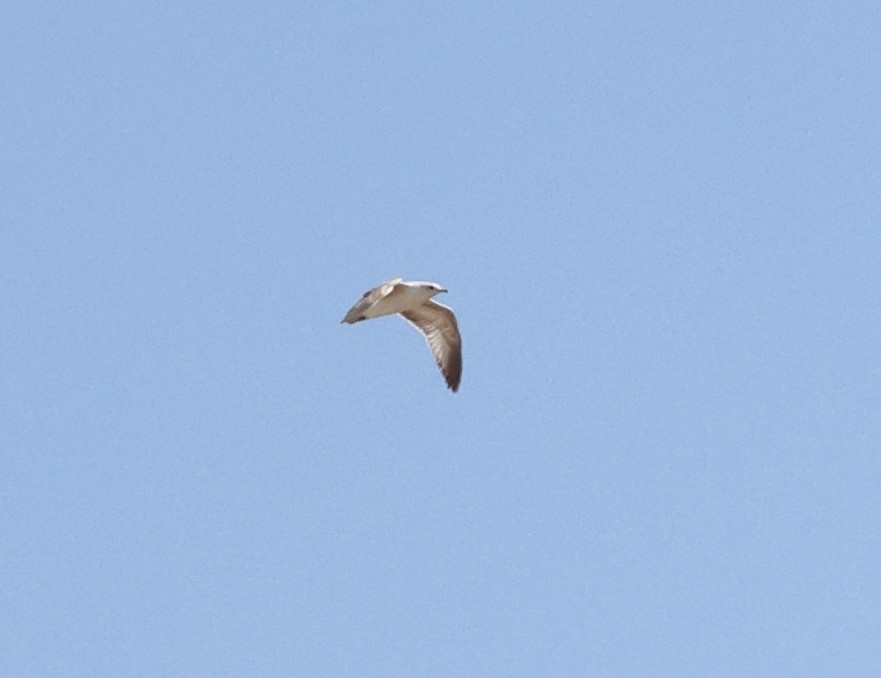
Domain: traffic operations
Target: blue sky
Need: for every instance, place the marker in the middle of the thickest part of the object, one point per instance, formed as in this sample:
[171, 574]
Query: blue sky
[659, 226]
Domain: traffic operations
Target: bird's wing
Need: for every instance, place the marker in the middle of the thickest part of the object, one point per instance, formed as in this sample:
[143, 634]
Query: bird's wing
[381, 290]
[438, 324]
[369, 298]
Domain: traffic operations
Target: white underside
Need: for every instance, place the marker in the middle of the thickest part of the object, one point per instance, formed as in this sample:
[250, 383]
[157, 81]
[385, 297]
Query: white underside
[404, 298]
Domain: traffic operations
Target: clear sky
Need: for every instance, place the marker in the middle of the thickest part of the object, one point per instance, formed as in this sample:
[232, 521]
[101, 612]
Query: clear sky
[660, 225]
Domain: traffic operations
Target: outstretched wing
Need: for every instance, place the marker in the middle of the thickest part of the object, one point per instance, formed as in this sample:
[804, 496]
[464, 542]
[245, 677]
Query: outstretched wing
[438, 324]
[368, 299]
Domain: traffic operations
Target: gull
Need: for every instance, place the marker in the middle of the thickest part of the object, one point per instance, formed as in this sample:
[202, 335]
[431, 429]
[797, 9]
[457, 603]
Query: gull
[413, 301]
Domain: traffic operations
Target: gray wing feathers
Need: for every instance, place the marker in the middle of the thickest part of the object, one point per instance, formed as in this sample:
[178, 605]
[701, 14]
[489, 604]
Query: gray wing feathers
[438, 324]
[369, 298]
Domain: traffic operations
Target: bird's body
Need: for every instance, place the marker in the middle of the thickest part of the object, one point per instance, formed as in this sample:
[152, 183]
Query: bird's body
[395, 296]
[413, 301]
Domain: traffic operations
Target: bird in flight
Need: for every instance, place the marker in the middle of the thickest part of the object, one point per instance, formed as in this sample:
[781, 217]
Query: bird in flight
[413, 300]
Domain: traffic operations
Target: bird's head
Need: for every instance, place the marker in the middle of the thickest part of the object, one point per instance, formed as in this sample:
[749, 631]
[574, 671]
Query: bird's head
[433, 288]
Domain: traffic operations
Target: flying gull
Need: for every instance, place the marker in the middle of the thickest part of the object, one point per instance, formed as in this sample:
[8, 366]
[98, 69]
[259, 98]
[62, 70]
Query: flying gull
[413, 300]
